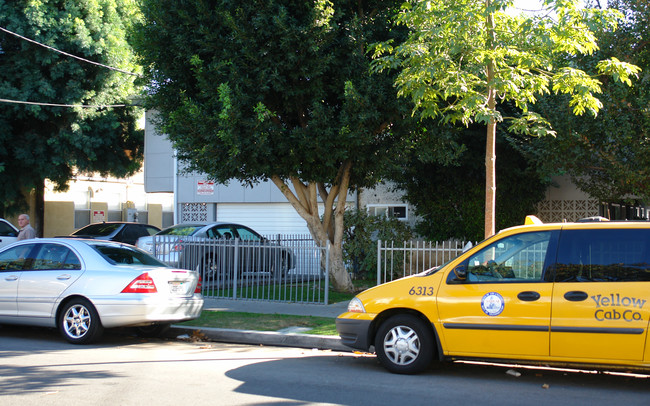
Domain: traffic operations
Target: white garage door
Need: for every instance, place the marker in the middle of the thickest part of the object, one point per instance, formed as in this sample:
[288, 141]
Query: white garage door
[265, 218]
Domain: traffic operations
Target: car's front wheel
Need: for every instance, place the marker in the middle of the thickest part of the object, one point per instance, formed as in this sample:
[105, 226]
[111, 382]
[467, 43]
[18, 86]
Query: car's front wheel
[79, 322]
[404, 344]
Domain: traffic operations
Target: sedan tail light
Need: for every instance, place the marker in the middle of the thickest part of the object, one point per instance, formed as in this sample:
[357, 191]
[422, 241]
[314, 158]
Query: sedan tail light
[141, 284]
[199, 286]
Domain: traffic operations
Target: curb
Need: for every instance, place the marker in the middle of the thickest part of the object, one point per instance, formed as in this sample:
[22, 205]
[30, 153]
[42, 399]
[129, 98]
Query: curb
[270, 338]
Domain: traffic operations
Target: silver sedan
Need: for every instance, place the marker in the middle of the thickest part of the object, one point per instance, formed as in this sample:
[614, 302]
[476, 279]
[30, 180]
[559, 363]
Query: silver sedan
[84, 286]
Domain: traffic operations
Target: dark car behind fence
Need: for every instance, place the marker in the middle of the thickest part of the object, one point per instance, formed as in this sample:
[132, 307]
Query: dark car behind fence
[279, 268]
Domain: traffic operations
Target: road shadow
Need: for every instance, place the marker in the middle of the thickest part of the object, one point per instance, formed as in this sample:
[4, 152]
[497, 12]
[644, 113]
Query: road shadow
[28, 339]
[345, 379]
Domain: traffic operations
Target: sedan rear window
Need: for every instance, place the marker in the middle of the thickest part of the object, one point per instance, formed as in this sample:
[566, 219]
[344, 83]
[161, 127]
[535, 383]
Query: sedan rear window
[99, 229]
[122, 255]
[180, 230]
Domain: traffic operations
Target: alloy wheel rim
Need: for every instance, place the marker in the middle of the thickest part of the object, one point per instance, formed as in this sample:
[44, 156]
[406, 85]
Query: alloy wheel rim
[76, 321]
[402, 345]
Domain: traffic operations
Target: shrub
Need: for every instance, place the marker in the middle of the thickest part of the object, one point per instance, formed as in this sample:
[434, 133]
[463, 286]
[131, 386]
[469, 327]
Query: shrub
[360, 240]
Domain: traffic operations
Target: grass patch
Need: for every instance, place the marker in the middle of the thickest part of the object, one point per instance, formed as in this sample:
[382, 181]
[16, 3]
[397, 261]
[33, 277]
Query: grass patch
[263, 322]
[308, 292]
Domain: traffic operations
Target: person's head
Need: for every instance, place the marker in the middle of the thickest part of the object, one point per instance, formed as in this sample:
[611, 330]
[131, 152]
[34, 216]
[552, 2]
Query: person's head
[23, 220]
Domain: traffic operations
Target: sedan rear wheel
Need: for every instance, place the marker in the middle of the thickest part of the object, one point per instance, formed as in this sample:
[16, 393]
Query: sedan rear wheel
[404, 344]
[79, 322]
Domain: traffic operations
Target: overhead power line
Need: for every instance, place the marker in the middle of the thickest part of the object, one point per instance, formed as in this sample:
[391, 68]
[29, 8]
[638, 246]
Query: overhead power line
[86, 106]
[67, 54]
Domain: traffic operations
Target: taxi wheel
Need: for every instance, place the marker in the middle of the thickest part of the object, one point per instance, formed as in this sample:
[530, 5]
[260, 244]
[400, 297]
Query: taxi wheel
[404, 344]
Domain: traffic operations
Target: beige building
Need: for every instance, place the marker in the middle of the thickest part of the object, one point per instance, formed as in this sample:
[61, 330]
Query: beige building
[92, 198]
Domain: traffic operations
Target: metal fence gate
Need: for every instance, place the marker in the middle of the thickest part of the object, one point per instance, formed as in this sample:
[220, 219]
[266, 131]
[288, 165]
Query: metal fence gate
[396, 260]
[278, 268]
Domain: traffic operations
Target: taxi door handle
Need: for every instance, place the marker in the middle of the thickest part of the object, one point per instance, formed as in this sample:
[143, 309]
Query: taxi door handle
[576, 296]
[528, 296]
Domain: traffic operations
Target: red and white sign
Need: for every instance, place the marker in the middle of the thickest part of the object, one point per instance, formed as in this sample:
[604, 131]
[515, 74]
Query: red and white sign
[99, 216]
[205, 187]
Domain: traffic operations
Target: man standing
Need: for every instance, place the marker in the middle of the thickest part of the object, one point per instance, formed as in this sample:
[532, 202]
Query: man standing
[26, 231]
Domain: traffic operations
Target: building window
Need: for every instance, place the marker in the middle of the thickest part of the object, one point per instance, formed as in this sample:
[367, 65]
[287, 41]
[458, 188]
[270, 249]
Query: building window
[193, 212]
[398, 211]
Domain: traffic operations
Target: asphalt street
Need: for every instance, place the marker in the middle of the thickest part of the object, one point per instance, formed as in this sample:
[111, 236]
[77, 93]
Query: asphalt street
[285, 338]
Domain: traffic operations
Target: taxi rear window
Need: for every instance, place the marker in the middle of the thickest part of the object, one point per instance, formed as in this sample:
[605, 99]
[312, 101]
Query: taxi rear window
[607, 255]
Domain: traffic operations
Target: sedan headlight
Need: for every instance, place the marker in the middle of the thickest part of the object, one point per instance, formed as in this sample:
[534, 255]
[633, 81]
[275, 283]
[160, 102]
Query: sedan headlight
[355, 306]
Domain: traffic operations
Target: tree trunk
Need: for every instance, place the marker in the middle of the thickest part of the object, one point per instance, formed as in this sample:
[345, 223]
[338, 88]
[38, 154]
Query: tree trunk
[490, 144]
[39, 208]
[490, 180]
[330, 229]
[35, 199]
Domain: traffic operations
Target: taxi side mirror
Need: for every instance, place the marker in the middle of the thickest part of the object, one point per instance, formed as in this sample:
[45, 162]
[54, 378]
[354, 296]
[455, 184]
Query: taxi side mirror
[460, 272]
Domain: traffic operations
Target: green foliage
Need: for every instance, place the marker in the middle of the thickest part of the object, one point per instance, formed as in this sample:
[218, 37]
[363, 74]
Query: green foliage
[449, 46]
[607, 157]
[361, 235]
[251, 90]
[463, 57]
[39, 142]
[449, 198]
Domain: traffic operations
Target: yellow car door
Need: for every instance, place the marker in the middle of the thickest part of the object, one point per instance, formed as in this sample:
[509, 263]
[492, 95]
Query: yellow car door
[601, 297]
[498, 301]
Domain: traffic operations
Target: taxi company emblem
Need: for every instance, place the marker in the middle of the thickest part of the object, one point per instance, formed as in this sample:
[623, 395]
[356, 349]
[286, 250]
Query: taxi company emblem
[492, 304]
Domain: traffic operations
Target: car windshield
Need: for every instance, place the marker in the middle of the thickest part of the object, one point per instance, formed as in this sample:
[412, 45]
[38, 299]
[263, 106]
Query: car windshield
[124, 255]
[180, 230]
[99, 229]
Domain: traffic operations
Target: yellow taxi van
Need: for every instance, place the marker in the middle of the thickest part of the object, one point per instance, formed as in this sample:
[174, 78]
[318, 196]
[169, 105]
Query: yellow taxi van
[566, 293]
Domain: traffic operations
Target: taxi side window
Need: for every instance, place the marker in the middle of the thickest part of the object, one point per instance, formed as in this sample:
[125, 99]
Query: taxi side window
[603, 256]
[517, 258]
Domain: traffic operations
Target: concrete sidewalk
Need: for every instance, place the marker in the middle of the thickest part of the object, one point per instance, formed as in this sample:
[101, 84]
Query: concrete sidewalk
[271, 338]
[257, 306]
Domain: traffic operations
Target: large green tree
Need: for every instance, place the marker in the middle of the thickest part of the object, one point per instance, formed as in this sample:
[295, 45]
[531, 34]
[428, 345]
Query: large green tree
[463, 57]
[281, 91]
[448, 197]
[607, 157]
[45, 133]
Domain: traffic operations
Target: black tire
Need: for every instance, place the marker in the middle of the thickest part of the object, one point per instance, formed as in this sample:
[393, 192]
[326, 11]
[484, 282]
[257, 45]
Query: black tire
[153, 330]
[404, 344]
[279, 268]
[209, 268]
[79, 322]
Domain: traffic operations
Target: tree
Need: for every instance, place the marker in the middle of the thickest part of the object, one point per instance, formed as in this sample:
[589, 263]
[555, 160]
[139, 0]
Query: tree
[464, 57]
[608, 158]
[278, 90]
[39, 141]
[448, 197]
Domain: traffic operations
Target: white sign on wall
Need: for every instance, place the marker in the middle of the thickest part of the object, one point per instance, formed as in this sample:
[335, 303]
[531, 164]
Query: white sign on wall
[204, 187]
